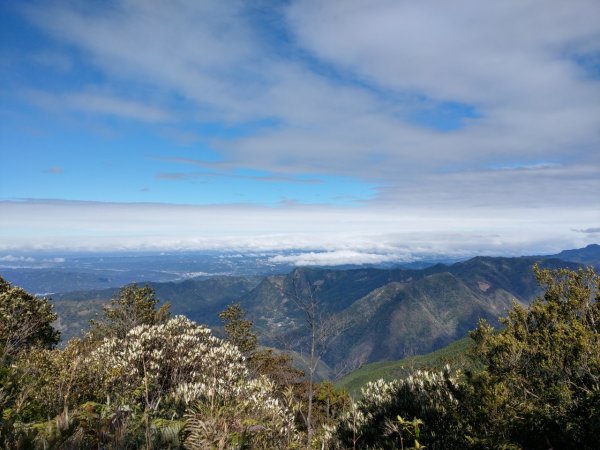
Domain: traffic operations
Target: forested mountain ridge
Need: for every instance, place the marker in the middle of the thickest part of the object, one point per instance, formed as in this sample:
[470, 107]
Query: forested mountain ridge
[200, 299]
[377, 314]
[390, 314]
[589, 255]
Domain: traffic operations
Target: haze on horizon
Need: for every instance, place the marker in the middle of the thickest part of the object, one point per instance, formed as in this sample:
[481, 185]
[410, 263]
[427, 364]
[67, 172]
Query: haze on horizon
[373, 131]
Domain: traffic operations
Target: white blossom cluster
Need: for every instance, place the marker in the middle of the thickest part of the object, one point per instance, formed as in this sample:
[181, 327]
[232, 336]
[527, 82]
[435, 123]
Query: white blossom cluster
[158, 358]
[376, 394]
[182, 363]
[251, 397]
[427, 389]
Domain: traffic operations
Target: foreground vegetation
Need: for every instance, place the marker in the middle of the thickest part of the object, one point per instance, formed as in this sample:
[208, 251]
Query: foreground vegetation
[457, 355]
[141, 378]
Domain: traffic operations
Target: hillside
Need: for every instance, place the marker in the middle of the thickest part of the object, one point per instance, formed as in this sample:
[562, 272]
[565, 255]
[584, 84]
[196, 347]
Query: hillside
[390, 314]
[376, 314]
[589, 255]
[455, 354]
[200, 299]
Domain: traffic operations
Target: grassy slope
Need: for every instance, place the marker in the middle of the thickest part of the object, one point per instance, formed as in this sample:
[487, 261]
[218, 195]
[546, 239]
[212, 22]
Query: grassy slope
[455, 354]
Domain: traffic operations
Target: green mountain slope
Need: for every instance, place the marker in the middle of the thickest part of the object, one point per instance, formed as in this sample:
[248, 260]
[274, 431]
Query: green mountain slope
[455, 354]
[200, 299]
[378, 314]
[391, 314]
[413, 318]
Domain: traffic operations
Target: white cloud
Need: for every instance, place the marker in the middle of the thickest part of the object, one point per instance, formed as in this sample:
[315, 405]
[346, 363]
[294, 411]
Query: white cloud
[512, 61]
[335, 258]
[98, 102]
[383, 232]
[345, 88]
[11, 258]
[488, 54]
[55, 260]
[526, 187]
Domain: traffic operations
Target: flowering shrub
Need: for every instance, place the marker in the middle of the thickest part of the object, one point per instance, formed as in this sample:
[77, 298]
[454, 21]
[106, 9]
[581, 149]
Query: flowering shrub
[246, 414]
[180, 366]
[149, 364]
[428, 396]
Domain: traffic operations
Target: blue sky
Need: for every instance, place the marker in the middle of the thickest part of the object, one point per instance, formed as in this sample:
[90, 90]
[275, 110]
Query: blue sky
[410, 114]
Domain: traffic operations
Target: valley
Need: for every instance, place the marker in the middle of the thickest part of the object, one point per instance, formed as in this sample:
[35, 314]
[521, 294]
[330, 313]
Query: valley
[370, 314]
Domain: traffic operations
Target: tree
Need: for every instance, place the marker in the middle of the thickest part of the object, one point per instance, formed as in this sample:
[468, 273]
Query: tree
[276, 366]
[538, 385]
[131, 307]
[541, 385]
[239, 330]
[25, 322]
[25, 327]
[321, 329]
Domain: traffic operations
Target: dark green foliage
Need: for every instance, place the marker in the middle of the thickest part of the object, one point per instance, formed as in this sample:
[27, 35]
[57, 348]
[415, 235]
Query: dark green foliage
[25, 322]
[276, 366]
[330, 403]
[541, 386]
[405, 432]
[131, 306]
[239, 330]
[93, 425]
[538, 385]
[534, 384]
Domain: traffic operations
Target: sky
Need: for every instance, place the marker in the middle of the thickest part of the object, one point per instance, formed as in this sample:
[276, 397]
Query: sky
[350, 131]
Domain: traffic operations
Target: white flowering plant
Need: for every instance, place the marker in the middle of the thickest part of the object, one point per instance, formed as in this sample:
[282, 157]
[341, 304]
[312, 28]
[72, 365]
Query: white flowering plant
[425, 396]
[167, 369]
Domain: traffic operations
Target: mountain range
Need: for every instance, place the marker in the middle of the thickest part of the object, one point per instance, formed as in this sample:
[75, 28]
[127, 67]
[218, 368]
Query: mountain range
[370, 314]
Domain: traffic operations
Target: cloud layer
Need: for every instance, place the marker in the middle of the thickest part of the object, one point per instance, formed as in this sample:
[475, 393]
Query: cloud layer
[314, 234]
[472, 121]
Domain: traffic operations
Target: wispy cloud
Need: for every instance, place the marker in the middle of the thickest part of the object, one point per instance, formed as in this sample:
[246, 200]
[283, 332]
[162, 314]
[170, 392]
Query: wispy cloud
[179, 176]
[11, 258]
[102, 103]
[55, 170]
[336, 258]
[54, 60]
[593, 230]
[228, 171]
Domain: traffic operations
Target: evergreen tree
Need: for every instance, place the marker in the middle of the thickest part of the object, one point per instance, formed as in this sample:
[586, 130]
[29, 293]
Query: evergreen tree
[541, 385]
[131, 307]
[25, 322]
